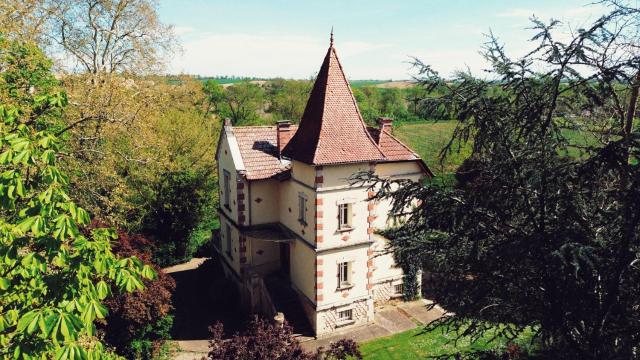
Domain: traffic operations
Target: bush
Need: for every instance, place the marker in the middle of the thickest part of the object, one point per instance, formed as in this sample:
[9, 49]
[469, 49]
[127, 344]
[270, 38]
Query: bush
[178, 207]
[264, 341]
[139, 323]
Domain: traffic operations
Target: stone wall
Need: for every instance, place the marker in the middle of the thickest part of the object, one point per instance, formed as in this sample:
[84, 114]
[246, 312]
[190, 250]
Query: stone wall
[385, 291]
[328, 320]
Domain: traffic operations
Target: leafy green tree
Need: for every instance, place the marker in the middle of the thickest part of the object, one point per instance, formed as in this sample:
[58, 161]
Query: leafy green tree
[53, 279]
[288, 98]
[242, 101]
[535, 239]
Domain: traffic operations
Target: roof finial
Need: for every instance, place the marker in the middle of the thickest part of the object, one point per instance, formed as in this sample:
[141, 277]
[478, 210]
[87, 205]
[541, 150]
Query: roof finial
[331, 38]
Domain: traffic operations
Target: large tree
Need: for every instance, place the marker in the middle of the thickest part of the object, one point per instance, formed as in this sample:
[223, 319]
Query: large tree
[542, 232]
[53, 278]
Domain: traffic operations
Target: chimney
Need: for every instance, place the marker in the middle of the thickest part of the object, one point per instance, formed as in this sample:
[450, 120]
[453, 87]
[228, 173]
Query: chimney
[385, 124]
[284, 134]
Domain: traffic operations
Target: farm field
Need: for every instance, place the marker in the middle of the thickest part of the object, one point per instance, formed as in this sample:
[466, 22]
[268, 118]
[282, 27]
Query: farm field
[427, 138]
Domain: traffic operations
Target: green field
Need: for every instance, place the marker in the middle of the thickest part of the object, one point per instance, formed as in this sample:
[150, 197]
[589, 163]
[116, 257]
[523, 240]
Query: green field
[417, 344]
[427, 138]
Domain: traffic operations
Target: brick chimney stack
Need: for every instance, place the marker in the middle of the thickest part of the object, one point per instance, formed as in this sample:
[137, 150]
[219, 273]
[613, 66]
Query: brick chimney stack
[385, 124]
[284, 134]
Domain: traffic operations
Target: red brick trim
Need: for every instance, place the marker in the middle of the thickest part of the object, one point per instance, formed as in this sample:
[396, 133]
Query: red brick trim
[319, 214]
[319, 298]
[239, 185]
[318, 226]
[319, 273]
[319, 180]
[319, 238]
[319, 261]
[320, 286]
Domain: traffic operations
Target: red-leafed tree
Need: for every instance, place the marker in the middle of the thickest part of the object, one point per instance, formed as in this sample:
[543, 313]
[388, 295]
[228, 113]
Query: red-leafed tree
[264, 341]
[138, 324]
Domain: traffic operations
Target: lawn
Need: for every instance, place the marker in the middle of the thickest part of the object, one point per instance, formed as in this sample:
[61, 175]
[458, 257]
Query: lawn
[417, 344]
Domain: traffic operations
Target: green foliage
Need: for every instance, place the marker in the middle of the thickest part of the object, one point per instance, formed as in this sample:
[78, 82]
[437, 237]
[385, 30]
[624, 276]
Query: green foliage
[53, 278]
[178, 206]
[531, 238]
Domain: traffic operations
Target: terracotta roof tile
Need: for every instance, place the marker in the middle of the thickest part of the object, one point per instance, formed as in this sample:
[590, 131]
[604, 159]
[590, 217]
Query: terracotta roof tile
[332, 130]
[392, 148]
[259, 151]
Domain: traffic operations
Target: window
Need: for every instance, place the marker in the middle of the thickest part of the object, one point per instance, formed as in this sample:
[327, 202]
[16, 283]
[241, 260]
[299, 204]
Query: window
[344, 216]
[227, 188]
[344, 274]
[227, 236]
[397, 288]
[302, 208]
[345, 315]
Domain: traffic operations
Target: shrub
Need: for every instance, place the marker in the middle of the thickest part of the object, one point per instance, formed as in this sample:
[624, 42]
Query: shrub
[264, 341]
[139, 323]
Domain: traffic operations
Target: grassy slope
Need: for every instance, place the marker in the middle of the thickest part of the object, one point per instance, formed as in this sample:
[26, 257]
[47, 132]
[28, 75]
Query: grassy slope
[427, 138]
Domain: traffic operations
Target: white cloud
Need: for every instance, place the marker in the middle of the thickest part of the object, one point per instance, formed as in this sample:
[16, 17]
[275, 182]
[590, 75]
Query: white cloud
[183, 30]
[291, 56]
[516, 13]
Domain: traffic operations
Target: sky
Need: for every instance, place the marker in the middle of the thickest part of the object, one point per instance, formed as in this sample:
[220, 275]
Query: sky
[374, 39]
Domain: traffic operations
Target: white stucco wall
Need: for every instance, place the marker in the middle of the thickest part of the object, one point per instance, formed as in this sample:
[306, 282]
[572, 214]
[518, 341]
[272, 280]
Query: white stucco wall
[264, 202]
[302, 268]
[234, 259]
[225, 162]
[288, 211]
[332, 294]
[332, 235]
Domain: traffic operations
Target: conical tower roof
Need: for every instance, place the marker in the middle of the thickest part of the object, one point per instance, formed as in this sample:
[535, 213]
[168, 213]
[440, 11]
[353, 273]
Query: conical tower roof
[331, 129]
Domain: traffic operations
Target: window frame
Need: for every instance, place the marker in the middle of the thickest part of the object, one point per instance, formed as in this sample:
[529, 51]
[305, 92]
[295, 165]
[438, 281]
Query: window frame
[344, 216]
[227, 188]
[347, 318]
[398, 286]
[302, 208]
[344, 272]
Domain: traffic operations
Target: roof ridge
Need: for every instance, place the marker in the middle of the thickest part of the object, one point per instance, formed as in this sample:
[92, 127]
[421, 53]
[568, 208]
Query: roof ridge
[353, 99]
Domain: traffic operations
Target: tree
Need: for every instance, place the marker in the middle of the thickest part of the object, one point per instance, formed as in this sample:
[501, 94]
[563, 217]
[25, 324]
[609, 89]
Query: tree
[138, 323]
[109, 36]
[264, 341]
[542, 234]
[53, 279]
[242, 101]
[288, 98]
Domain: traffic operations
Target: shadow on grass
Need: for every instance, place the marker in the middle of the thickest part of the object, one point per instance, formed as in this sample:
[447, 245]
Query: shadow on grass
[202, 297]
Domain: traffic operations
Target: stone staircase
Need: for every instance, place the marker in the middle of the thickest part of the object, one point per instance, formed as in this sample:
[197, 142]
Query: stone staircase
[286, 301]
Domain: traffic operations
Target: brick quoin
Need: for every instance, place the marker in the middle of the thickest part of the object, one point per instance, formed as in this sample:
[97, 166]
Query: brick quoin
[319, 214]
[319, 261]
[318, 226]
[240, 185]
[319, 238]
[319, 273]
[320, 286]
[318, 201]
[319, 297]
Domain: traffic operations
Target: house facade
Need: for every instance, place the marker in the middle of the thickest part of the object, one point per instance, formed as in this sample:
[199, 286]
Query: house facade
[288, 209]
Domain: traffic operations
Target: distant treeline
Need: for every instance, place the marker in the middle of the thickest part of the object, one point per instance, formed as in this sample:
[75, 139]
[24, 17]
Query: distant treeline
[262, 102]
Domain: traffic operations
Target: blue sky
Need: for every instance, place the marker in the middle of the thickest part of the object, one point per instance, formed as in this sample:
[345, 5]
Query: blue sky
[374, 39]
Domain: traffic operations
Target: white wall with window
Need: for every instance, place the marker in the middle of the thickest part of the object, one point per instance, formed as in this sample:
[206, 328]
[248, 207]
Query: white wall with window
[345, 271]
[303, 208]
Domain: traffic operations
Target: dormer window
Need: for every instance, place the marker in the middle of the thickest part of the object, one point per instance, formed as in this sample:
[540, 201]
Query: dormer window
[302, 208]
